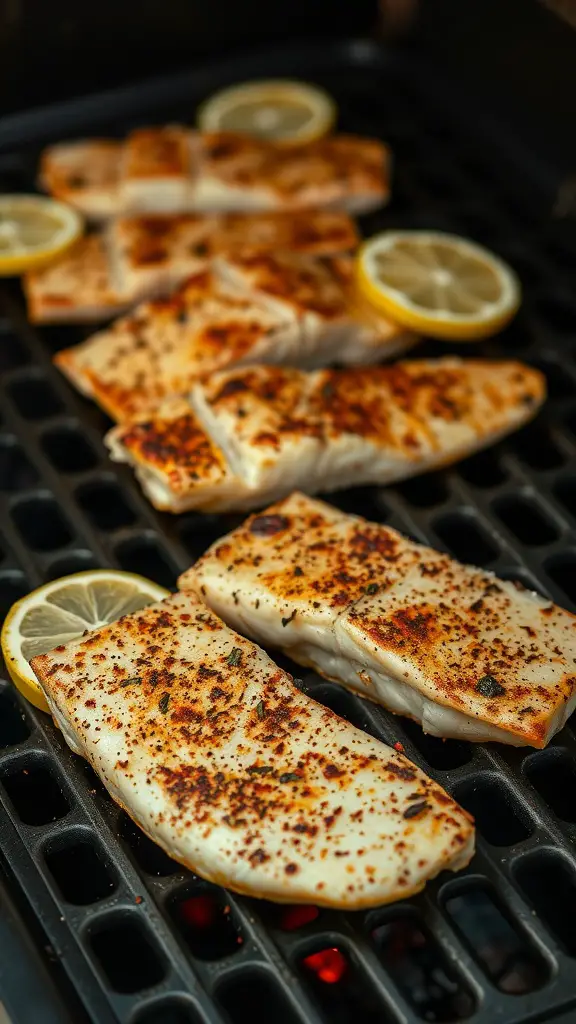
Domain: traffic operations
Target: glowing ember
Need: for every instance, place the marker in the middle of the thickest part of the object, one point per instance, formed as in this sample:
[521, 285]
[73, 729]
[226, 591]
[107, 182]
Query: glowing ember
[297, 916]
[329, 965]
[198, 911]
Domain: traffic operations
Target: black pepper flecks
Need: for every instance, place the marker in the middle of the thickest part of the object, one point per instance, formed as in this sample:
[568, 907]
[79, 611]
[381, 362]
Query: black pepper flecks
[267, 526]
[415, 809]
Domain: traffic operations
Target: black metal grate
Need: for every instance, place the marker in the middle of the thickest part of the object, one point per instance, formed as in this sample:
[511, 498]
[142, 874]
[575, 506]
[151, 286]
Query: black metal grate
[144, 941]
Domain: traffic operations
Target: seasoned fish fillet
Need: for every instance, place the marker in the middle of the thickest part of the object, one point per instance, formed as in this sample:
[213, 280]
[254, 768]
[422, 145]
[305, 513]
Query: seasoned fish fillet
[241, 173]
[162, 347]
[297, 315]
[223, 762]
[278, 429]
[173, 169]
[77, 288]
[177, 464]
[317, 293]
[316, 232]
[157, 170]
[152, 255]
[465, 654]
[84, 174]
[143, 257]
[354, 170]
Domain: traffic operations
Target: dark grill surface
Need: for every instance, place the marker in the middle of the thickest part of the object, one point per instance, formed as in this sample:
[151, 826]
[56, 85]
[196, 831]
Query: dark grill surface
[140, 939]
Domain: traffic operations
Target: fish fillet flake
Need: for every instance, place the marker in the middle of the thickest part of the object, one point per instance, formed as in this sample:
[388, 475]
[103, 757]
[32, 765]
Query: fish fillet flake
[238, 775]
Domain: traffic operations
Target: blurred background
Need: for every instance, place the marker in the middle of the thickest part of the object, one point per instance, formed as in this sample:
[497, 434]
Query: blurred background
[519, 55]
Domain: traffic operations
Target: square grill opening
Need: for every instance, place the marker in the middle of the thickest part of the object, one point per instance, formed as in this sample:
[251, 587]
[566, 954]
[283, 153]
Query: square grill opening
[429, 982]
[499, 817]
[255, 996]
[127, 953]
[494, 939]
[14, 726]
[79, 868]
[339, 987]
[35, 791]
[204, 919]
[549, 883]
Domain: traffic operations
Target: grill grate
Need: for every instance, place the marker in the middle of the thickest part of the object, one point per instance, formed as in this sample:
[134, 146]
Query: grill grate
[144, 941]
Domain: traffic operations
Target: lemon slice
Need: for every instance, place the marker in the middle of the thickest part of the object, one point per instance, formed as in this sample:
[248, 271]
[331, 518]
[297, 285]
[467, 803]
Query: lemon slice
[62, 611]
[33, 231]
[277, 110]
[439, 284]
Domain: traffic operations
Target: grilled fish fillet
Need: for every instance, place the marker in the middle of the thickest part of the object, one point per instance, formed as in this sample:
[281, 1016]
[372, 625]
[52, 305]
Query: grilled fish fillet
[144, 257]
[276, 429]
[77, 288]
[317, 294]
[84, 174]
[152, 255]
[242, 173]
[297, 314]
[157, 171]
[224, 763]
[161, 348]
[173, 169]
[463, 653]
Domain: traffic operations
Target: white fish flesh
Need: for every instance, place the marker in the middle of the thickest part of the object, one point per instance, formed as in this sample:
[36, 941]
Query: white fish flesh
[239, 776]
[298, 313]
[144, 257]
[465, 654]
[253, 435]
[176, 170]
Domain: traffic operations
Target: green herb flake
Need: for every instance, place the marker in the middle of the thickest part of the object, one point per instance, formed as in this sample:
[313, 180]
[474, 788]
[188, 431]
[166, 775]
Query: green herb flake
[290, 618]
[260, 709]
[372, 588]
[259, 770]
[488, 686]
[235, 657]
[164, 702]
[290, 777]
[132, 681]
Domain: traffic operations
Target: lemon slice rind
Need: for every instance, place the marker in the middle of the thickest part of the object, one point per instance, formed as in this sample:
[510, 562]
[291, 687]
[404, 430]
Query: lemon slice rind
[438, 284]
[279, 110]
[68, 606]
[34, 230]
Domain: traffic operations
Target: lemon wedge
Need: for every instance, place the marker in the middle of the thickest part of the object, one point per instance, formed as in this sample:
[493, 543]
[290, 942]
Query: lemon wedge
[277, 110]
[438, 284]
[62, 611]
[34, 230]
